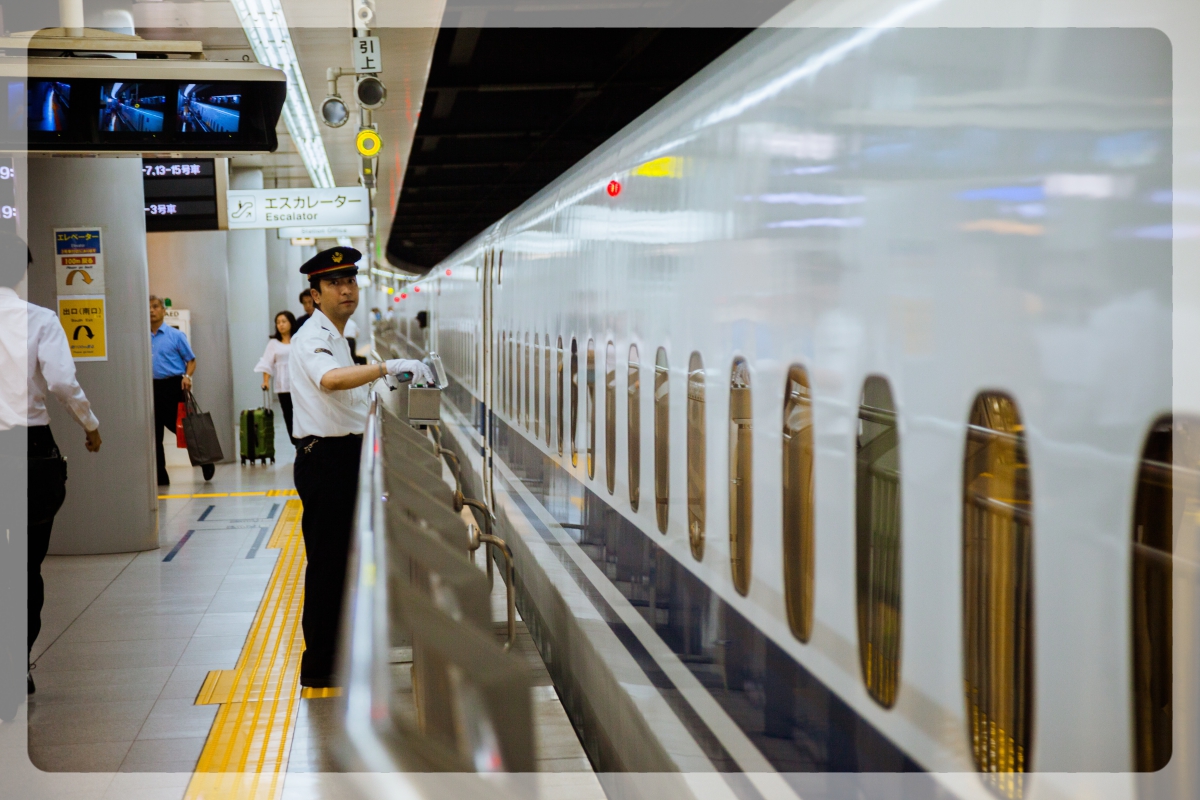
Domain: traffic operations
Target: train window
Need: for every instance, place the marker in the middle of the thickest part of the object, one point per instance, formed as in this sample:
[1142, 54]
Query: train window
[511, 375]
[798, 503]
[998, 593]
[877, 540]
[527, 369]
[591, 408]
[741, 475]
[537, 387]
[697, 474]
[560, 396]
[610, 416]
[574, 435]
[1157, 513]
[662, 438]
[503, 358]
[547, 369]
[633, 419]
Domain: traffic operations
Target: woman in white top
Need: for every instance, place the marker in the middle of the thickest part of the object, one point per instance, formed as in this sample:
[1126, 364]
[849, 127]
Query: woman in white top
[274, 362]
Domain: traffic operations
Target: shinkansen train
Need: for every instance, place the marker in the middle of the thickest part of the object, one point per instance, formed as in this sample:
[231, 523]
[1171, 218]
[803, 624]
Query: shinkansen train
[842, 402]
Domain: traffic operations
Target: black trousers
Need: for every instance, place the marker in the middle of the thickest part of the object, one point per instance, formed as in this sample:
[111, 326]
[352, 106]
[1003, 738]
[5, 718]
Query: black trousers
[326, 476]
[285, 403]
[168, 394]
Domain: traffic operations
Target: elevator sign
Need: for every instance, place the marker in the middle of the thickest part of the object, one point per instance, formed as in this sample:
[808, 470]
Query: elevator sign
[79, 261]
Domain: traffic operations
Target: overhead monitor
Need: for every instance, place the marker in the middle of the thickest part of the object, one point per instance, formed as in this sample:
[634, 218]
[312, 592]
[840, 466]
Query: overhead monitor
[165, 106]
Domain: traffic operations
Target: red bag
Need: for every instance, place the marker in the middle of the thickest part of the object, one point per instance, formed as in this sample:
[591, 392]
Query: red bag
[180, 441]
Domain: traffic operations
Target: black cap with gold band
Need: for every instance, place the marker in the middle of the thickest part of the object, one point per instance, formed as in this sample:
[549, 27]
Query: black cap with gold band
[336, 262]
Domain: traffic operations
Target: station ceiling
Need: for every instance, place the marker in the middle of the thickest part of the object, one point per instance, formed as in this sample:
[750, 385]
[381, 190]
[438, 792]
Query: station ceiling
[507, 110]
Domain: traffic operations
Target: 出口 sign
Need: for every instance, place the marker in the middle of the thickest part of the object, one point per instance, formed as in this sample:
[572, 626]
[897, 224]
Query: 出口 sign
[289, 208]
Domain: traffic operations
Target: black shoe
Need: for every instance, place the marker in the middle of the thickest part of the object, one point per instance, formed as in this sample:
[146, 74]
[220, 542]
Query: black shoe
[208, 470]
[29, 687]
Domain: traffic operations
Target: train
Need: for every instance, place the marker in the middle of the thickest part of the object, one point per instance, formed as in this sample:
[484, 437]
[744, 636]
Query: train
[841, 390]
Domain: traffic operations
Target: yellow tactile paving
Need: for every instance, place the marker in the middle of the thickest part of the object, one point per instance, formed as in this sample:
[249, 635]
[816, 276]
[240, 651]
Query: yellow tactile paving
[247, 749]
[272, 493]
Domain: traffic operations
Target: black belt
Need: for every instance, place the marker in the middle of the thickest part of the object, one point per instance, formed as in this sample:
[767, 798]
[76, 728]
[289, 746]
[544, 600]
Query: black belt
[306, 443]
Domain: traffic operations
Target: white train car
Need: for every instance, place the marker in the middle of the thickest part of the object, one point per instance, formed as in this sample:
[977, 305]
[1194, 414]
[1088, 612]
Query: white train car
[832, 405]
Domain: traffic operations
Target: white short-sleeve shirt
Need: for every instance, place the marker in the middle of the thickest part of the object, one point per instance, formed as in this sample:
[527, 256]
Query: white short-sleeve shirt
[316, 349]
[274, 362]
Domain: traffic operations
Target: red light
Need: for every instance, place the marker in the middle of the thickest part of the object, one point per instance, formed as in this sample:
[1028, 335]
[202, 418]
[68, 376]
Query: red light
[403, 295]
[416, 288]
[614, 188]
[396, 299]
[447, 272]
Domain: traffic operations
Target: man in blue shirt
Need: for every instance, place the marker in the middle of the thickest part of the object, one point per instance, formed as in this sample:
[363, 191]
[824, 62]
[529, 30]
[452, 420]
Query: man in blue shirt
[173, 362]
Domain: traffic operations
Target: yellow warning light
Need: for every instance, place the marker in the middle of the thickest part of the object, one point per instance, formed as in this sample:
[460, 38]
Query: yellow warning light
[368, 143]
[390, 290]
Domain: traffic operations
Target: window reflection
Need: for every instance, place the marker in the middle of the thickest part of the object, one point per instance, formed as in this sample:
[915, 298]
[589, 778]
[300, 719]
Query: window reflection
[877, 522]
[634, 421]
[662, 433]
[741, 475]
[998, 593]
[610, 416]
[574, 432]
[696, 467]
[798, 503]
[560, 393]
[591, 408]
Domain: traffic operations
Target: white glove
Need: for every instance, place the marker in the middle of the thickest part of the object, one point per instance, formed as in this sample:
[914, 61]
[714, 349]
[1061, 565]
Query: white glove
[418, 373]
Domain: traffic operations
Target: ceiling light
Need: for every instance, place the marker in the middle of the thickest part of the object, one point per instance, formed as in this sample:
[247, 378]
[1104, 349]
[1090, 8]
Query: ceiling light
[267, 30]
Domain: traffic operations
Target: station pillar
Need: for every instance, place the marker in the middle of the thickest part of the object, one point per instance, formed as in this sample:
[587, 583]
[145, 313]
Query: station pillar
[111, 504]
[250, 313]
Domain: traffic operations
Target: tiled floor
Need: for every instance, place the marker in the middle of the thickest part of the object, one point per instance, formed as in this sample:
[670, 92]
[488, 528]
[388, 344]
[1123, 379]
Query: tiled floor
[128, 639]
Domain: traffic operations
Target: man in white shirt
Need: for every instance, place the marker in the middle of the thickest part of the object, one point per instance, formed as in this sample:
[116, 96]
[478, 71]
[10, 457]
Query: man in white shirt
[35, 361]
[330, 401]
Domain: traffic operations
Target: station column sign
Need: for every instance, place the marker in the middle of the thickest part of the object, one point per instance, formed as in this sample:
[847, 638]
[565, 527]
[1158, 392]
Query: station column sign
[79, 277]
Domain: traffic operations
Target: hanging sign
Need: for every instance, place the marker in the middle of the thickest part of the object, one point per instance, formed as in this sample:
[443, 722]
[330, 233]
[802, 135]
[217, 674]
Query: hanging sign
[289, 208]
[79, 261]
[82, 318]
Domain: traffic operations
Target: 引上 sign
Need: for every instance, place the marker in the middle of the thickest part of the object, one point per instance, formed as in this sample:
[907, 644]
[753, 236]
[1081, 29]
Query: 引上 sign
[290, 208]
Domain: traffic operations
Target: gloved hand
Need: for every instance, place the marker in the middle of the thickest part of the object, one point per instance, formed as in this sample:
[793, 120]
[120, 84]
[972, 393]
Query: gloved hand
[407, 369]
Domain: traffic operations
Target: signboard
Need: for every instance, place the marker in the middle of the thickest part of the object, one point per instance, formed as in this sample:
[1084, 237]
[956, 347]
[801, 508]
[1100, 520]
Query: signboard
[289, 208]
[181, 194]
[82, 318]
[366, 54]
[79, 261]
[324, 232]
[180, 319]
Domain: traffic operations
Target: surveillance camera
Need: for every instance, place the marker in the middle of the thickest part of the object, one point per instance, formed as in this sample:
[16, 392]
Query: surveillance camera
[364, 13]
[370, 92]
[334, 111]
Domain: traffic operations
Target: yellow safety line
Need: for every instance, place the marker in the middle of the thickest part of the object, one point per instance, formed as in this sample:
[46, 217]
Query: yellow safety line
[252, 733]
[272, 493]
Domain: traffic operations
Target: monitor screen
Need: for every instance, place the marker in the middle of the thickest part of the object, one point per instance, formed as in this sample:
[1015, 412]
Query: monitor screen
[48, 107]
[130, 106]
[209, 108]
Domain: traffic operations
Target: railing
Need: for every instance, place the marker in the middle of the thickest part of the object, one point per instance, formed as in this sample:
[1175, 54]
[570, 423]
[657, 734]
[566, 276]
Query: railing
[427, 689]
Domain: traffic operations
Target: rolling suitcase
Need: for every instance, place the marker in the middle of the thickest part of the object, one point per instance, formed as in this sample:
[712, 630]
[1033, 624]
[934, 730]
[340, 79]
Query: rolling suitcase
[258, 433]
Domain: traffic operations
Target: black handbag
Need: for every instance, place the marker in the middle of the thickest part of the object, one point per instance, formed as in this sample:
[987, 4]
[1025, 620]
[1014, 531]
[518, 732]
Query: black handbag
[201, 435]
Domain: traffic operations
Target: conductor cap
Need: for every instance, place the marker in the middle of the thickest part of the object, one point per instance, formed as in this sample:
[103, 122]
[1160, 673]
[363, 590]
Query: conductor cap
[336, 262]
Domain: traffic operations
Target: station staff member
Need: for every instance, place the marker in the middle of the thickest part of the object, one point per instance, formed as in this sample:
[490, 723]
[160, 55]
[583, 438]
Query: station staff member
[35, 361]
[330, 399]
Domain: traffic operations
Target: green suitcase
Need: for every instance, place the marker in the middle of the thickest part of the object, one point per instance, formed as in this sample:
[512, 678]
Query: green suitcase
[258, 433]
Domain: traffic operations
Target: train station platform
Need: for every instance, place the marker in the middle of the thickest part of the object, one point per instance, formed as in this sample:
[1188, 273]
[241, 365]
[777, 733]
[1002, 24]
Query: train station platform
[174, 673]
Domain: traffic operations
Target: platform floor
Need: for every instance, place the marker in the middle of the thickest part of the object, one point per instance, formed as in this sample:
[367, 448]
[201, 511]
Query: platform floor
[131, 642]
